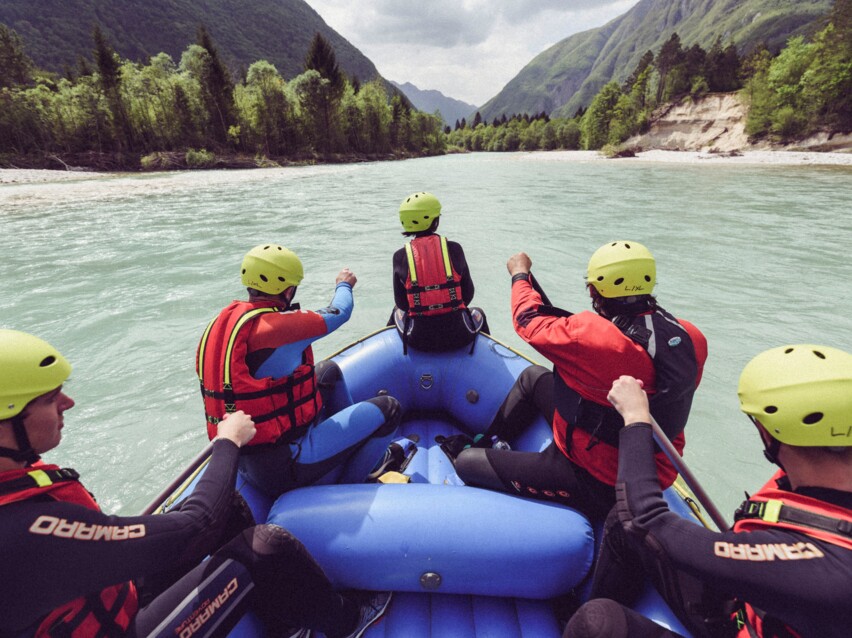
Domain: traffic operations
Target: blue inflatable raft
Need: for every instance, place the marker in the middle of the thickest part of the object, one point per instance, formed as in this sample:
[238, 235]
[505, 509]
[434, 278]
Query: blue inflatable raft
[462, 561]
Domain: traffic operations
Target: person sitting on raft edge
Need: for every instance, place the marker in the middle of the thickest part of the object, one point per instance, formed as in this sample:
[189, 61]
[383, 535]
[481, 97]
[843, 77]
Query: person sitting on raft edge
[629, 333]
[256, 356]
[71, 570]
[432, 286]
[783, 571]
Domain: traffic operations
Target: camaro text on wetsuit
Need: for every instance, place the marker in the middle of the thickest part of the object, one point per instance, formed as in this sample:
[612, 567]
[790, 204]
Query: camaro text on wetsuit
[767, 551]
[209, 607]
[63, 528]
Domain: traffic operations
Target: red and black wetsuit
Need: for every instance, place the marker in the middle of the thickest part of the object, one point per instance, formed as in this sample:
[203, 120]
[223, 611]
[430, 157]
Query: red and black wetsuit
[435, 331]
[798, 578]
[588, 352]
[55, 551]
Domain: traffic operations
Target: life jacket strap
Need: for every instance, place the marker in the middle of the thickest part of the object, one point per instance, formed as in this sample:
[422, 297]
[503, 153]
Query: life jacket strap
[38, 478]
[775, 511]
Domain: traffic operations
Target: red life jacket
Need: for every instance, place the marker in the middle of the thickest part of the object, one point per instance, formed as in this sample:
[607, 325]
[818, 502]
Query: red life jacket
[280, 408]
[104, 613]
[587, 431]
[433, 286]
[773, 508]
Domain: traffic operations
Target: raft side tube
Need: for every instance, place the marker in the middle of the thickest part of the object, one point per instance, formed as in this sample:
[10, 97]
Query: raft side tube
[436, 538]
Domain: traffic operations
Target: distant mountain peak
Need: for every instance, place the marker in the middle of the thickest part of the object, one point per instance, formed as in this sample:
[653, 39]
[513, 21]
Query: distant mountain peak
[430, 100]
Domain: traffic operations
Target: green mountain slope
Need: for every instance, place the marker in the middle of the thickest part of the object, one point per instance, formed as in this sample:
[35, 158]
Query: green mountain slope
[569, 74]
[56, 32]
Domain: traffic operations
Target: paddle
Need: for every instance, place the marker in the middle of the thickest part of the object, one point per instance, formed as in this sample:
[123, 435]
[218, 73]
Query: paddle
[688, 477]
[191, 469]
[669, 450]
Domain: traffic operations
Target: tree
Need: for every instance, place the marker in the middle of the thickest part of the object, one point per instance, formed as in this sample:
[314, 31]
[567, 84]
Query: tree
[596, 121]
[321, 58]
[109, 65]
[477, 119]
[645, 61]
[15, 67]
[667, 59]
[217, 90]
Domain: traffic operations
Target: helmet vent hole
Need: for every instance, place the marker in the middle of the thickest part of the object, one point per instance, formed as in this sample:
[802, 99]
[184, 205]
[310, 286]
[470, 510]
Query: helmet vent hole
[627, 246]
[619, 281]
[819, 354]
[600, 278]
[415, 222]
[813, 417]
[47, 361]
[425, 216]
[770, 409]
[281, 279]
[244, 271]
[266, 247]
[263, 278]
[648, 278]
[788, 350]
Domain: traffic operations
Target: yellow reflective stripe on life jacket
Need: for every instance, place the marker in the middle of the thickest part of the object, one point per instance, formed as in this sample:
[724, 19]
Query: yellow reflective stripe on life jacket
[41, 478]
[445, 254]
[251, 314]
[412, 270]
[202, 349]
[448, 267]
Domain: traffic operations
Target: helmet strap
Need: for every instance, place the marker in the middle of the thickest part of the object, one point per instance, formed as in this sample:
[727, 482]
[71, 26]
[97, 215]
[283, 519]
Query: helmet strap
[25, 451]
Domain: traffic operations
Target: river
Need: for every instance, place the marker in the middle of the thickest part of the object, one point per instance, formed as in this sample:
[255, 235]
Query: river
[122, 273]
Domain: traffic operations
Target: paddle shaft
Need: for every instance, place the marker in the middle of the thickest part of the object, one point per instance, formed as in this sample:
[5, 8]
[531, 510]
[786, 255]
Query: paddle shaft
[188, 471]
[688, 477]
[669, 450]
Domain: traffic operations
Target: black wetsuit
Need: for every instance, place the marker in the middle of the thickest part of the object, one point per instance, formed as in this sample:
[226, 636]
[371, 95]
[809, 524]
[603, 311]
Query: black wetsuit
[808, 591]
[438, 332]
[283, 583]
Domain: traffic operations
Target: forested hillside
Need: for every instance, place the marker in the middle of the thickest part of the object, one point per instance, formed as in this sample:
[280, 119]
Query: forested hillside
[568, 75]
[56, 32]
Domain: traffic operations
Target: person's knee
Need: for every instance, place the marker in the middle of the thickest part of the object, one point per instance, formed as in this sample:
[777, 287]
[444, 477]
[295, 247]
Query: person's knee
[269, 539]
[328, 373]
[530, 376]
[474, 468]
[599, 618]
[391, 411]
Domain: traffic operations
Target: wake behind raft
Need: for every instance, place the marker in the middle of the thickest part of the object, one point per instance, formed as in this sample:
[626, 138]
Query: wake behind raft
[462, 561]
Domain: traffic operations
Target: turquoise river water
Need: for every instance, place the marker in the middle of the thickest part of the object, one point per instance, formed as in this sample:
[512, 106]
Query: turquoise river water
[122, 273]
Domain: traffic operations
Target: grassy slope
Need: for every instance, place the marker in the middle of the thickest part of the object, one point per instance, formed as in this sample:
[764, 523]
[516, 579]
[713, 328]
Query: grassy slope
[570, 73]
[56, 32]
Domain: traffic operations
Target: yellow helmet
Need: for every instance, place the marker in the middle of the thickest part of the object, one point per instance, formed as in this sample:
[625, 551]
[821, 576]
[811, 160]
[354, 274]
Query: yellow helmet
[418, 211]
[801, 394]
[271, 269]
[29, 368]
[622, 269]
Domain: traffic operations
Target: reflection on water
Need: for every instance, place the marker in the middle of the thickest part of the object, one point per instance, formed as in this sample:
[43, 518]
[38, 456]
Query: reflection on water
[123, 272]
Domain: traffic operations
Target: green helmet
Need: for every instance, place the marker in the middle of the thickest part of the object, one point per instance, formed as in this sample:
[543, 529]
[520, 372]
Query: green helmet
[271, 269]
[801, 394]
[418, 212]
[622, 269]
[29, 368]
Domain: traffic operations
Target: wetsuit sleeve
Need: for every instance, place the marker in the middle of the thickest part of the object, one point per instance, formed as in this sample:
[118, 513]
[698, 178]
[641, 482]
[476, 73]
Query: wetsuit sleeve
[340, 309]
[460, 264]
[400, 274]
[776, 570]
[53, 551]
[542, 331]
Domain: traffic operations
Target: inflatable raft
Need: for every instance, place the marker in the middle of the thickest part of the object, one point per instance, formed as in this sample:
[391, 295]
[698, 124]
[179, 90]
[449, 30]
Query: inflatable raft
[462, 561]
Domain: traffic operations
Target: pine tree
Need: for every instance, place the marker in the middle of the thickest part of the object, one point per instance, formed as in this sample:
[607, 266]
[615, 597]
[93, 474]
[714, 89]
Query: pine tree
[15, 67]
[217, 90]
[109, 79]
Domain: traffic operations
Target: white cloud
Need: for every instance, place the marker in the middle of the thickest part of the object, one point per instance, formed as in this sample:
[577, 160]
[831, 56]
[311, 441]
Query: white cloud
[467, 49]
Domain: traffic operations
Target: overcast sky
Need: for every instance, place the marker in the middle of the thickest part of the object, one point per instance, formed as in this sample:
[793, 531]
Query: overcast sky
[466, 49]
